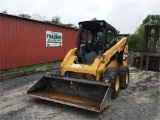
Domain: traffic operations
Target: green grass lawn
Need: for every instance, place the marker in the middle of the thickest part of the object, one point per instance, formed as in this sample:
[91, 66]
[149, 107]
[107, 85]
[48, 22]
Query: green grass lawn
[32, 67]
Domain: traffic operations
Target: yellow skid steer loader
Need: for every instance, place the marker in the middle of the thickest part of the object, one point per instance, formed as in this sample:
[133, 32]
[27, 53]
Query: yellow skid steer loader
[91, 74]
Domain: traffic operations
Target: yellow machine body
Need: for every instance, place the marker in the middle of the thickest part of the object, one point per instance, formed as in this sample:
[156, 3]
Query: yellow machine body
[88, 80]
[98, 67]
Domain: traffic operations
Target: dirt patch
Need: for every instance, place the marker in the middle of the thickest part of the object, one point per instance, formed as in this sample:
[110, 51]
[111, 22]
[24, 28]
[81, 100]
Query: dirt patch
[140, 101]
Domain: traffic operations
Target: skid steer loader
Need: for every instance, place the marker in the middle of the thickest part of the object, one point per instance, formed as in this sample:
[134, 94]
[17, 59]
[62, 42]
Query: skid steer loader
[91, 74]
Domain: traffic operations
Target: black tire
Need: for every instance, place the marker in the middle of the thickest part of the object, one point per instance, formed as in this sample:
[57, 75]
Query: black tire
[124, 76]
[113, 76]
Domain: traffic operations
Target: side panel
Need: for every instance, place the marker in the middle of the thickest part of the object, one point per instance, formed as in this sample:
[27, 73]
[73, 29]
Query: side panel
[23, 42]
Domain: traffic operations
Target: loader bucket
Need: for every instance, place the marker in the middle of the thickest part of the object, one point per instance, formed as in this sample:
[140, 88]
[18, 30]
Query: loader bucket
[86, 94]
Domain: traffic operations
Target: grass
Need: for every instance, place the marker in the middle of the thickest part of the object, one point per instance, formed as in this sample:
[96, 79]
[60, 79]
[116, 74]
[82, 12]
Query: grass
[32, 67]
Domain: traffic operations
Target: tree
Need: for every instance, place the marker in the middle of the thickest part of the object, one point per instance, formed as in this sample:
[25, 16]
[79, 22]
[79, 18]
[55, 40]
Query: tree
[24, 16]
[151, 19]
[56, 20]
[4, 12]
[117, 31]
[70, 25]
[47, 21]
[136, 40]
[38, 17]
[94, 19]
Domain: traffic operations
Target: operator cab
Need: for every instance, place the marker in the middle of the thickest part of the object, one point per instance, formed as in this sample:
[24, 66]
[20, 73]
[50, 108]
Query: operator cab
[93, 40]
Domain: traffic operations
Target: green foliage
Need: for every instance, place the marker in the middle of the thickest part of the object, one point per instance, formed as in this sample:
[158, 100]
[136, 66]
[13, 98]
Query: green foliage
[47, 21]
[117, 31]
[4, 12]
[32, 67]
[24, 16]
[136, 40]
[151, 19]
[56, 20]
[70, 25]
[94, 19]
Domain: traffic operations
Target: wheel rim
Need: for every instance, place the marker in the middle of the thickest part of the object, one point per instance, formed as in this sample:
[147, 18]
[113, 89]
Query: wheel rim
[117, 83]
[127, 78]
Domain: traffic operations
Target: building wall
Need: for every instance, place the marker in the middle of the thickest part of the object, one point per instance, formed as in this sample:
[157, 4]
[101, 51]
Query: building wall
[23, 42]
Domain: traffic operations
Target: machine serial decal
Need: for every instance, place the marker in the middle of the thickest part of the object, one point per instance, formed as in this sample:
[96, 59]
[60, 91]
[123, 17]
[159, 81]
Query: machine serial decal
[77, 65]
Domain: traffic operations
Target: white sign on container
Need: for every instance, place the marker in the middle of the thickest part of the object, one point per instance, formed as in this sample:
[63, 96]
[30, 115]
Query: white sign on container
[53, 39]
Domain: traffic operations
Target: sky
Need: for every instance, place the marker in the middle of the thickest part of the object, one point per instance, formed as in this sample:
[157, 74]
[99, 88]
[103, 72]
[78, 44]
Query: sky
[124, 15]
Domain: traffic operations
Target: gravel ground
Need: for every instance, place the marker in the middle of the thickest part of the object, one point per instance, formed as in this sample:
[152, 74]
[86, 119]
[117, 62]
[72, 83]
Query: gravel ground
[140, 101]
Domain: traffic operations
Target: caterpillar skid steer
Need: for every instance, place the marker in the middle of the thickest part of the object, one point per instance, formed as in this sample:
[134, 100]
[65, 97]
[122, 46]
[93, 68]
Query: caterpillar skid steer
[91, 74]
